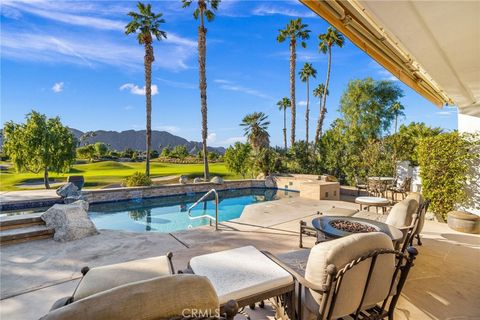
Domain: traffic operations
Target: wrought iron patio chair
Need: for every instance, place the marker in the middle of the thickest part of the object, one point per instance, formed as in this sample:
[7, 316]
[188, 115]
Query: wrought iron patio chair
[360, 276]
[360, 185]
[403, 189]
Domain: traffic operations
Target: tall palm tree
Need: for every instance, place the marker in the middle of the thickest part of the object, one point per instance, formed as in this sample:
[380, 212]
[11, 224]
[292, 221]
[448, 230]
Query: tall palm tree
[318, 93]
[146, 24]
[204, 9]
[327, 40]
[255, 127]
[284, 104]
[397, 109]
[305, 74]
[294, 30]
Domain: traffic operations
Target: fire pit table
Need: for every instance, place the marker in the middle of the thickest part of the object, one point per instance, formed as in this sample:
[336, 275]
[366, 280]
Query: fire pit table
[337, 227]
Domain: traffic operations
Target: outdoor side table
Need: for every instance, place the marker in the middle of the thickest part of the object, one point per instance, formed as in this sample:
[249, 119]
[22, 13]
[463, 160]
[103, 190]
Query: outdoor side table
[245, 275]
[372, 202]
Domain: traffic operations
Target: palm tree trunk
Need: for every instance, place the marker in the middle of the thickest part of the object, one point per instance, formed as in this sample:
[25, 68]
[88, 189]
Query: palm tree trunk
[202, 33]
[148, 96]
[307, 111]
[292, 89]
[285, 127]
[324, 102]
[45, 178]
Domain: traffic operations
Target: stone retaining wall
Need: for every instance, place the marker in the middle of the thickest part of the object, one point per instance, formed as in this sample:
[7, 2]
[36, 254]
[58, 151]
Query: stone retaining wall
[118, 194]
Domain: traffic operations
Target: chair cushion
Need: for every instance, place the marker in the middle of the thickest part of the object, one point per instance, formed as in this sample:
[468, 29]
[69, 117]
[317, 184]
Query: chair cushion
[401, 214]
[339, 253]
[421, 219]
[158, 298]
[107, 277]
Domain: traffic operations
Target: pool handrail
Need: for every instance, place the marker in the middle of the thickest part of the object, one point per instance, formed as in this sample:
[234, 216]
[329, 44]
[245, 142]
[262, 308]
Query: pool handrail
[206, 215]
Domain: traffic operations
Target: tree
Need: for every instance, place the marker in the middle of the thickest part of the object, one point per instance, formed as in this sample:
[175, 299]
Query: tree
[237, 158]
[366, 106]
[87, 152]
[255, 127]
[204, 9]
[327, 40]
[101, 149]
[305, 74]
[405, 141]
[318, 93]
[283, 105]
[165, 152]
[146, 24]
[179, 152]
[39, 144]
[294, 30]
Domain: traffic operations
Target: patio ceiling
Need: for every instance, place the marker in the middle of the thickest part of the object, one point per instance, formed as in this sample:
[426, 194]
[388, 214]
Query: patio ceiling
[432, 46]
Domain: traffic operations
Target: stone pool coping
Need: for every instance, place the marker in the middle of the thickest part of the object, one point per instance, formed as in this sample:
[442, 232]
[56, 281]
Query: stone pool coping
[128, 193]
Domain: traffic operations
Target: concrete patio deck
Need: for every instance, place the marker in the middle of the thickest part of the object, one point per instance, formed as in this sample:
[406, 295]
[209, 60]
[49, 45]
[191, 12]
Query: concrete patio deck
[442, 285]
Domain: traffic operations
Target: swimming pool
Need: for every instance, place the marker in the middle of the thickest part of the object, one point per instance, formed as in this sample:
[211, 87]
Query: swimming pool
[167, 214]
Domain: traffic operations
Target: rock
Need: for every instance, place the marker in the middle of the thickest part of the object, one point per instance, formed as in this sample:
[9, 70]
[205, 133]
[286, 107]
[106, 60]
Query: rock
[70, 221]
[197, 180]
[67, 190]
[270, 182]
[183, 179]
[217, 180]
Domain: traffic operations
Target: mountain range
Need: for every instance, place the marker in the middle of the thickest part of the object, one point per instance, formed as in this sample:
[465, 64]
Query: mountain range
[136, 140]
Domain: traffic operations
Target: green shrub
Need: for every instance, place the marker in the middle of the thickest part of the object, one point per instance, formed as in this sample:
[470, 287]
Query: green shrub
[136, 180]
[444, 168]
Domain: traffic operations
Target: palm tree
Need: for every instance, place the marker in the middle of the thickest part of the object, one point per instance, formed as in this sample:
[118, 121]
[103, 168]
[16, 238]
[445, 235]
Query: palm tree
[397, 109]
[283, 105]
[318, 92]
[255, 127]
[305, 74]
[293, 30]
[146, 24]
[327, 41]
[202, 11]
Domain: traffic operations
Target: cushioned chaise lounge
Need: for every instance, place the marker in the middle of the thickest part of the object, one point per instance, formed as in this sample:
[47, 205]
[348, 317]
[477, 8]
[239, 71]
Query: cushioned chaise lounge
[140, 289]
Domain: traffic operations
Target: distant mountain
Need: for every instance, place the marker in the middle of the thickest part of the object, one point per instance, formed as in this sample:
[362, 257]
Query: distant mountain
[136, 140]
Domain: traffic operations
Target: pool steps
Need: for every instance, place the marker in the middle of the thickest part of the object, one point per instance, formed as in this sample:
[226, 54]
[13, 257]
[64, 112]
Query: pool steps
[23, 228]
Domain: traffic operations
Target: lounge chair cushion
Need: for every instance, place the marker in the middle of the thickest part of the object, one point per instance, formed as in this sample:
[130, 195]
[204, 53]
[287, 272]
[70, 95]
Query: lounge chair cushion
[107, 277]
[401, 214]
[421, 220]
[340, 252]
[158, 298]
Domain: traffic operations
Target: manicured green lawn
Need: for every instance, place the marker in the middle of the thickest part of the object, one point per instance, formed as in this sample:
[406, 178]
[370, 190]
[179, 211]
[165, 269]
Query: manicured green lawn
[104, 173]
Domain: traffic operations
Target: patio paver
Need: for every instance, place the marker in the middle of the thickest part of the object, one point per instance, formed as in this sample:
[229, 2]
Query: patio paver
[442, 285]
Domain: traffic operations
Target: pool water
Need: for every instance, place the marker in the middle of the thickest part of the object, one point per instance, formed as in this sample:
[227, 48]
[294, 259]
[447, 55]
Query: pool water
[167, 214]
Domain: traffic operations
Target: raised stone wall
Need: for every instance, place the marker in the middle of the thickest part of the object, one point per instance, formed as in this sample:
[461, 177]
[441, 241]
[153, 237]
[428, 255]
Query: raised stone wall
[117, 194]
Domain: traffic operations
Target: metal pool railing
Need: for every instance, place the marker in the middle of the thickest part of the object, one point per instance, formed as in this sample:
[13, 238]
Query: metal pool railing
[206, 215]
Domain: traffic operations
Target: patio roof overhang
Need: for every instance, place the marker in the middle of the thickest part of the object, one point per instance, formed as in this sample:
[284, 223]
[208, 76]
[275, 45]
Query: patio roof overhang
[431, 46]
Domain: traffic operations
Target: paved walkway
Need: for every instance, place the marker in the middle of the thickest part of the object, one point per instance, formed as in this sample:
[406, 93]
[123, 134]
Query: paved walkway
[442, 285]
[27, 195]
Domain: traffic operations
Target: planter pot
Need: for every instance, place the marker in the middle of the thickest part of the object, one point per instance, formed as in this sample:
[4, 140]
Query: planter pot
[78, 181]
[464, 222]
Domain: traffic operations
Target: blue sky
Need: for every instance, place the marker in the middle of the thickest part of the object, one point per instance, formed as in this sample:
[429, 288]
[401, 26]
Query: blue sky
[73, 60]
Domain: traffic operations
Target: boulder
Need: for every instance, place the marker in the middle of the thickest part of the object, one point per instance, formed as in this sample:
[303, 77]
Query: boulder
[270, 182]
[217, 180]
[183, 179]
[197, 180]
[70, 221]
[67, 190]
